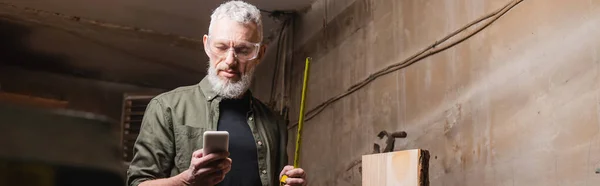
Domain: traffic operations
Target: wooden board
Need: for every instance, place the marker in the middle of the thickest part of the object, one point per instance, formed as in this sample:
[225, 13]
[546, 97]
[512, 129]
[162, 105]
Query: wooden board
[402, 168]
[26, 100]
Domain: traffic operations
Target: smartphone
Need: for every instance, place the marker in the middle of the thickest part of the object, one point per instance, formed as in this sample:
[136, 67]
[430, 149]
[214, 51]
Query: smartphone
[215, 141]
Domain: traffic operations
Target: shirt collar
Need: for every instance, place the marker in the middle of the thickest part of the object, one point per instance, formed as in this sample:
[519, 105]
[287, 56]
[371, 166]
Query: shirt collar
[207, 89]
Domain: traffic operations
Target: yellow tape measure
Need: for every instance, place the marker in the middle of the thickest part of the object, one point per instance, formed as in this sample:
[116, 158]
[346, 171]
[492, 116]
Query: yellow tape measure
[300, 121]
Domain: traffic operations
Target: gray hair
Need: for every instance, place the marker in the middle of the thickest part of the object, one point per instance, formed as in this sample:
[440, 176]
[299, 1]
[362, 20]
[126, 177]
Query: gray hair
[240, 12]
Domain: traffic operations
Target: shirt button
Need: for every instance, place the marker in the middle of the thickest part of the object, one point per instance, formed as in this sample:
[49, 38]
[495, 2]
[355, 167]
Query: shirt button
[209, 97]
[259, 143]
[264, 171]
[251, 118]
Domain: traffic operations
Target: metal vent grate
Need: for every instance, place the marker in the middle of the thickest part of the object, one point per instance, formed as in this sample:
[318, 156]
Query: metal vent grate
[134, 107]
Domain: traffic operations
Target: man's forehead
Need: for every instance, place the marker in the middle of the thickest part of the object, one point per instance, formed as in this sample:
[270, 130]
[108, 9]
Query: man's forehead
[229, 29]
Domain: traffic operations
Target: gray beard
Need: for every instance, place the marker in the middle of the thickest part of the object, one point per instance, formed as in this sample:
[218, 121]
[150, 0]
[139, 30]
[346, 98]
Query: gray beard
[227, 88]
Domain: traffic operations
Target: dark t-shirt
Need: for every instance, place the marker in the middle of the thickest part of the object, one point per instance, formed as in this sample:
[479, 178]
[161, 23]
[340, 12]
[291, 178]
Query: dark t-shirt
[242, 148]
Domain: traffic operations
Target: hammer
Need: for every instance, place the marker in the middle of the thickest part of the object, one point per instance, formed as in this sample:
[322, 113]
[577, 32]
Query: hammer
[391, 139]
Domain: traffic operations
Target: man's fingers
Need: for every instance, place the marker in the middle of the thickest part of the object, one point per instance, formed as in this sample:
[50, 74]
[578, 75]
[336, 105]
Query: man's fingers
[208, 159]
[215, 156]
[294, 182]
[295, 173]
[197, 154]
[226, 170]
[296, 176]
[214, 171]
[226, 163]
[227, 167]
[198, 163]
[288, 168]
[195, 163]
[285, 170]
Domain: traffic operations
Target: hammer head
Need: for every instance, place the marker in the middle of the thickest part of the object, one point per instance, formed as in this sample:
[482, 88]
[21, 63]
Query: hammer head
[389, 141]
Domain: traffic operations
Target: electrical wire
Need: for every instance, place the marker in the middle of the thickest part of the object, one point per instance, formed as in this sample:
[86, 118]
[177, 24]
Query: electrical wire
[426, 52]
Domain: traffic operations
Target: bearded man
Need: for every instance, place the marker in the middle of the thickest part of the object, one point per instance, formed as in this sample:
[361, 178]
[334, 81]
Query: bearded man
[168, 150]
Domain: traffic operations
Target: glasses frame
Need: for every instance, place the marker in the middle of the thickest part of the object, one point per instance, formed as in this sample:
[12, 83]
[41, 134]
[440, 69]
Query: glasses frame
[208, 48]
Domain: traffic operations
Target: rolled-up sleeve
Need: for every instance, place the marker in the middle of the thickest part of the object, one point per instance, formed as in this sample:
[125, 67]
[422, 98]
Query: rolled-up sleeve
[153, 151]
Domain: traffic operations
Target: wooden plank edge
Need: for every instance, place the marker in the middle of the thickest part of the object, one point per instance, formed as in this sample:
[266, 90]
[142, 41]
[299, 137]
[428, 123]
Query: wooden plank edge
[424, 167]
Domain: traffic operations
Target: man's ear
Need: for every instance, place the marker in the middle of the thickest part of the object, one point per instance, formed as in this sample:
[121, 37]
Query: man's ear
[204, 41]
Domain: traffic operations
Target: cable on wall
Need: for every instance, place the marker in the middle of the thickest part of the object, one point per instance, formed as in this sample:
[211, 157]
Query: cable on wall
[432, 49]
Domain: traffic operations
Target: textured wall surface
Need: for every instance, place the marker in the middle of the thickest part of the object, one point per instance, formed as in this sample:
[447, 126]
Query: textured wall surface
[517, 104]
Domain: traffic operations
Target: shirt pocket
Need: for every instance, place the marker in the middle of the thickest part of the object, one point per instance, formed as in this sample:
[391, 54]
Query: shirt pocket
[187, 140]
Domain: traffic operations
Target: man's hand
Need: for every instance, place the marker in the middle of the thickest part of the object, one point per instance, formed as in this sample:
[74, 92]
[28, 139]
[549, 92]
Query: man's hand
[296, 176]
[208, 169]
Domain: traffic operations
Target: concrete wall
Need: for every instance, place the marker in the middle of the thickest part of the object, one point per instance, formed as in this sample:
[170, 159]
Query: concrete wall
[93, 96]
[517, 104]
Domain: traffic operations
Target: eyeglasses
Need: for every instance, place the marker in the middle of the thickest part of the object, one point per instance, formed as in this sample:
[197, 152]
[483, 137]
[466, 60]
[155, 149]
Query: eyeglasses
[242, 50]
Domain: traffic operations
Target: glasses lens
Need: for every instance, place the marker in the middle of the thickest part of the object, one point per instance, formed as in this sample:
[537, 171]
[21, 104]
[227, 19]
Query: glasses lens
[243, 50]
[218, 47]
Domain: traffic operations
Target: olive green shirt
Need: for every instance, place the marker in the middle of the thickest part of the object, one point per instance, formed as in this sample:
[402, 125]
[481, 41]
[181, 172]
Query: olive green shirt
[172, 130]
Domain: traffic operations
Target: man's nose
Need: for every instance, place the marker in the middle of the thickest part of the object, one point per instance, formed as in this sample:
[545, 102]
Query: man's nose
[230, 59]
